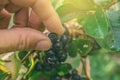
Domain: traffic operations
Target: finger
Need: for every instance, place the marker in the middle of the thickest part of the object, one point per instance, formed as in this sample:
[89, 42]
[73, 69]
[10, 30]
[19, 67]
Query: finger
[23, 3]
[12, 8]
[45, 12]
[23, 39]
[21, 18]
[3, 2]
[4, 19]
[34, 21]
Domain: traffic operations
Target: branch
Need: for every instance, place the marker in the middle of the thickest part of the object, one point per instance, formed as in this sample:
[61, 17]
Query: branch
[26, 56]
[109, 5]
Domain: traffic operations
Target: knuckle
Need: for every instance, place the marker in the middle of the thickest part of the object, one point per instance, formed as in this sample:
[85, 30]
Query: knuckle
[24, 41]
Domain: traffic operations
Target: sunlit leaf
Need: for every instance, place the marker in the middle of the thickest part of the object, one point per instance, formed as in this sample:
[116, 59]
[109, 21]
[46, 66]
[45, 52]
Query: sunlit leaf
[68, 11]
[112, 40]
[4, 69]
[71, 9]
[96, 24]
[83, 5]
[103, 2]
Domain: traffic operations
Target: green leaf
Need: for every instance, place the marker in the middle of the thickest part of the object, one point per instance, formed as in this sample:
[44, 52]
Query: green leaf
[74, 8]
[84, 46]
[64, 69]
[112, 40]
[72, 49]
[103, 2]
[15, 66]
[83, 5]
[3, 75]
[36, 75]
[67, 12]
[96, 24]
[31, 68]
[22, 54]
[41, 75]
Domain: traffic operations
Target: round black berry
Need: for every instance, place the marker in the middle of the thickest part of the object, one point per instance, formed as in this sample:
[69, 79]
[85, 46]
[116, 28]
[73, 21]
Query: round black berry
[50, 53]
[75, 77]
[74, 72]
[52, 60]
[57, 46]
[38, 66]
[64, 39]
[57, 77]
[59, 53]
[53, 37]
[46, 66]
[63, 57]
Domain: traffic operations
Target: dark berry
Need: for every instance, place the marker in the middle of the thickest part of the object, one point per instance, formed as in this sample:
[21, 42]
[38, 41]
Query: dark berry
[66, 48]
[66, 32]
[52, 60]
[53, 37]
[57, 64]
[74, 72]
[47, 66]
[70, 38]
[67, 76]
[50, 53]
[38, 66]
[63, 57]
[64, 39]
[57, 78]
[57, 46]
[59, 53]
[75, 77]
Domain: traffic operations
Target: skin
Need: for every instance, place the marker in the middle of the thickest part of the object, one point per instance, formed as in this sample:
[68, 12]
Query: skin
[25, 34]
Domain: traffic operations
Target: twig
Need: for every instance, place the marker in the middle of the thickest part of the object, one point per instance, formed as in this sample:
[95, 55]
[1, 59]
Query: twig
[26, 56]
[80, 68]
[88, 68]
[8, 77]
[84, 64]
[109, 5]
[5, 60]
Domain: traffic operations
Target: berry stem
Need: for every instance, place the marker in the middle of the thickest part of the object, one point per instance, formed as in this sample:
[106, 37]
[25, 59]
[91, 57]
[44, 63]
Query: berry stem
[8, 77]
[84, 64]
[88, 68]
[26, 56]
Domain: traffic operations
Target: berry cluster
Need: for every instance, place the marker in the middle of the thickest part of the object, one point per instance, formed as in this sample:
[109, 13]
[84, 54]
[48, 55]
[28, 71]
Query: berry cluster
[58, 53]
[70, 76]
[54, 57]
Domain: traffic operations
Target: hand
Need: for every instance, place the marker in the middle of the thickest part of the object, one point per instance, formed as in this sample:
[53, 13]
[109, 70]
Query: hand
[24, 35]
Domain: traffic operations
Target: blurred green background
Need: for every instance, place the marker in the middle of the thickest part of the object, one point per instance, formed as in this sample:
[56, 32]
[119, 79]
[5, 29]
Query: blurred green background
[105, 66]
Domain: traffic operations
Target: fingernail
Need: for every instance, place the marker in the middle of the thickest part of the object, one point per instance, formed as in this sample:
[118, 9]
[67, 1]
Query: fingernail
[44, 45]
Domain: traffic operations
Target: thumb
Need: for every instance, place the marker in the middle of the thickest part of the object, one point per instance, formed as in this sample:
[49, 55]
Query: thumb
[23, 39]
